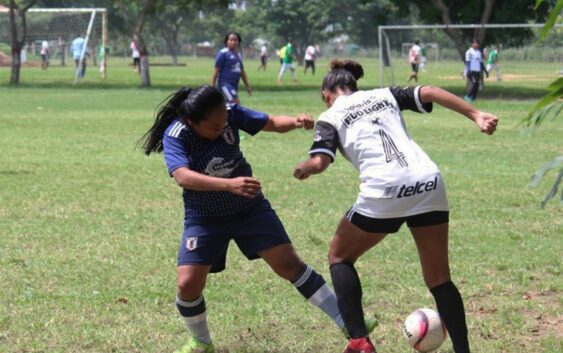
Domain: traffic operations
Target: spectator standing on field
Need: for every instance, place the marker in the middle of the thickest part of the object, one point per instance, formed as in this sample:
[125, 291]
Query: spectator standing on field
[473, 68]
[414, 60]
[76, 48]
[44, 55]
[263, 56]
[310, 57]
[136, 56]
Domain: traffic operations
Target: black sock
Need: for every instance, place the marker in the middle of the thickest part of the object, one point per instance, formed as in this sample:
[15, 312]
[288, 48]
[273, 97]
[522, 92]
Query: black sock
[450, 306]
[348, 291]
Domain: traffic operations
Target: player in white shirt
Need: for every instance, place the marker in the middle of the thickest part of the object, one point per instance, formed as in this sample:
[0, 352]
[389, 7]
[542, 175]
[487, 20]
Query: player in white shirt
[310, 57]
[414, 60]
[398, 183]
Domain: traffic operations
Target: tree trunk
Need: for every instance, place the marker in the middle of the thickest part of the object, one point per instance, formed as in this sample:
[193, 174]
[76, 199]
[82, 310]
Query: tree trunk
[16, 65]
[453, 33]
[145, 74]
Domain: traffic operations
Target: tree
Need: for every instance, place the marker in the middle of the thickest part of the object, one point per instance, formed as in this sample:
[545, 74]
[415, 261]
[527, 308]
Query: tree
[135, 13]
[173, 16]
[450, 12]
[548, 108]
[17, 14]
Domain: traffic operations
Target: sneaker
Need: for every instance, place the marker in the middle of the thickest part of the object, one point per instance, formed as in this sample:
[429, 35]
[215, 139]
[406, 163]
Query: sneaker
[359, 345]
[467, 99]
[370, 326]
[195, 346]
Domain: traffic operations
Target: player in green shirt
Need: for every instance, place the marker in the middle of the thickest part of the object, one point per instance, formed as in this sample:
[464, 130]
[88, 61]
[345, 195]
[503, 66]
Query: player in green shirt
[287, 62]
[492, 62]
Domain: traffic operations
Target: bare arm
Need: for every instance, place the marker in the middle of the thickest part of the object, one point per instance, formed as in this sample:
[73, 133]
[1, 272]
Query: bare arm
[242, 186]
[486, 122]
[284, 123]
[245, 81]
[316, 164]
[214, 77]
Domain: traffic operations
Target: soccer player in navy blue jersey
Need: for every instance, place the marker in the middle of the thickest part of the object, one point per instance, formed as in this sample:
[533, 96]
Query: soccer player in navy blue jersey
[229, 69]
[199, 135]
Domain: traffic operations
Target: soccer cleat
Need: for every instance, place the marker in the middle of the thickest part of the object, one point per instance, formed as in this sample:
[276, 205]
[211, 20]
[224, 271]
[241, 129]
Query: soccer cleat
[370, 326]
[195, 346]
[359, 345]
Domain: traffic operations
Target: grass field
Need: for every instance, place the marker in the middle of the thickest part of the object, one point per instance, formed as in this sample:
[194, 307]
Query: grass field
[89, 226]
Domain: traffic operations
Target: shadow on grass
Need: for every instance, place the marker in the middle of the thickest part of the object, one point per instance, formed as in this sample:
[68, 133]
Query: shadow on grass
[496, 92]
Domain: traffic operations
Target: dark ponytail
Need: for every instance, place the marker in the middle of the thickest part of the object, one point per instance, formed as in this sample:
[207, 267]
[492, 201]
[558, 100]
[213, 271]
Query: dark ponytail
[186, 104]
[343, 75]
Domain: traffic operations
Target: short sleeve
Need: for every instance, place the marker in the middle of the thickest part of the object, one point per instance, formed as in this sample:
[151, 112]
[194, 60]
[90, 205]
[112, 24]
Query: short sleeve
[174, 150]
[326, 140]
[248, 120]
[219, 59]
[409, 98]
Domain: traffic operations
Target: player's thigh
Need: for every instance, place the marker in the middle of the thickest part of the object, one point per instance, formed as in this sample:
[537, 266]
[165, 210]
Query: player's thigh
[350, 242]
[432, 245]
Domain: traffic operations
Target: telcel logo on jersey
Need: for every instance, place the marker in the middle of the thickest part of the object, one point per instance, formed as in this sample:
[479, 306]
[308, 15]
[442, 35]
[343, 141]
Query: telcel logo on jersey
[418, 188]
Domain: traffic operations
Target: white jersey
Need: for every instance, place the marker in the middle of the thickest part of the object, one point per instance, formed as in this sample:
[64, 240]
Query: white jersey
[397, 178]
[474, 58]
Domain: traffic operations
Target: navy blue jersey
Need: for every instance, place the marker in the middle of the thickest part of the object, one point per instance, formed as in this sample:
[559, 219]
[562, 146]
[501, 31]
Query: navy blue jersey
[230, 66]
[221, 158]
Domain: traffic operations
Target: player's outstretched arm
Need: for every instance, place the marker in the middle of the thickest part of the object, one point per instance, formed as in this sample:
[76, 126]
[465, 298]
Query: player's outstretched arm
[486, 122]
[284, 123]
[316, 164]
[243, 186]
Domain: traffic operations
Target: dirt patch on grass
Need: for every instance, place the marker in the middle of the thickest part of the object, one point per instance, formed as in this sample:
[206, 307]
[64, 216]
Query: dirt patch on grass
[545, 322]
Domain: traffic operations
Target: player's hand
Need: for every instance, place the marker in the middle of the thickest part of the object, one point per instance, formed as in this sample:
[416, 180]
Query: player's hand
[300, 172]
[244, 186]
[249, 90]
[304, 121]
[487, 123]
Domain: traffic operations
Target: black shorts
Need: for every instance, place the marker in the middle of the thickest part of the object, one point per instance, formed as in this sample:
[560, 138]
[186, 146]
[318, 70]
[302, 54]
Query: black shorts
[392, 225]
[414, 67]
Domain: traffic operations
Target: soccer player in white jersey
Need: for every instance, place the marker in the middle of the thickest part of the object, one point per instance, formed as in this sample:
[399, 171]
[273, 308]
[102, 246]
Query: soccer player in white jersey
[398, 183]
[199, 135]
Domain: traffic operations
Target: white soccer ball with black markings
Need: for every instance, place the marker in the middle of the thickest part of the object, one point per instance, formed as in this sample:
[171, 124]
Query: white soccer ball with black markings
[424, 330]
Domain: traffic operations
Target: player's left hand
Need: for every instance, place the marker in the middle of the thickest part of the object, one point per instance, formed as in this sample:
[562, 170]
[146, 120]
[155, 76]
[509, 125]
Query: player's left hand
[304, 121]
[249, 90]
[299, 171]
[487, 123]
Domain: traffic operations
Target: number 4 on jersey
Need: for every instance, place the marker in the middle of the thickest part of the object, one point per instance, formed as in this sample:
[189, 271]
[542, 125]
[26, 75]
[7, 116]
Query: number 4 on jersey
[391, 151]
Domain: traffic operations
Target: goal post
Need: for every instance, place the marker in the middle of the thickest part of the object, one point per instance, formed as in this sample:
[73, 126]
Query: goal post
[58, 27]
[386, 69]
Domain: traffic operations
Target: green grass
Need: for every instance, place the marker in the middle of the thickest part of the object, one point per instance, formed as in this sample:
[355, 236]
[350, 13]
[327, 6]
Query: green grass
[89, 226]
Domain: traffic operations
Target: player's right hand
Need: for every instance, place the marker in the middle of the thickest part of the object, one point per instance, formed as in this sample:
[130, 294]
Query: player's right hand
[245, 186]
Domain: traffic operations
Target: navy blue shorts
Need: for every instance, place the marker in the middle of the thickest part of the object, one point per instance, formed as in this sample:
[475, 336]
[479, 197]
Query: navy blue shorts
[206, 242]
[229, 91]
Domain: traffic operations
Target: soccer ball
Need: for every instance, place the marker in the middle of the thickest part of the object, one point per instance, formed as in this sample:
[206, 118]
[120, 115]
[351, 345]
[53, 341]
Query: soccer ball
[424, 330]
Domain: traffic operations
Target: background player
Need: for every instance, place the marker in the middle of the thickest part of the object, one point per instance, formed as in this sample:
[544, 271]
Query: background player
[399, 183]
[229, 69]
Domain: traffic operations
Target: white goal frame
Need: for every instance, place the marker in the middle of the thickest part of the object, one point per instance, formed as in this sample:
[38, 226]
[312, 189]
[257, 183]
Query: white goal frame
[382, 36]
[94, 12]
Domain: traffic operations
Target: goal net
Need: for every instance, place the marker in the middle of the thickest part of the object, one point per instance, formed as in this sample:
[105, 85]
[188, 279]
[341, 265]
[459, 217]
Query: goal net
[522, 60]
[56, 29]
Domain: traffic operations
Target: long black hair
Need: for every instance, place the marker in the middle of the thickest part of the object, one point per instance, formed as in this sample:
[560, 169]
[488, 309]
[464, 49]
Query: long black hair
[343, 75]
[186, 104]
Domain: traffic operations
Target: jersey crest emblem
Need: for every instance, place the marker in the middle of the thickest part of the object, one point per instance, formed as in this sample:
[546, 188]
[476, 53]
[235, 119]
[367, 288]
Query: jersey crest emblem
[229, 135]
[191, 243]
